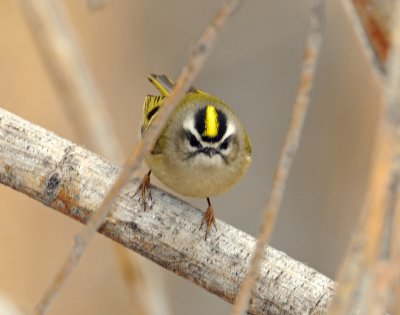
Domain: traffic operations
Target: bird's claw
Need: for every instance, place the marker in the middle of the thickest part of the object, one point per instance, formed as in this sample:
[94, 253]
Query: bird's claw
[143, 188]
[209, 220]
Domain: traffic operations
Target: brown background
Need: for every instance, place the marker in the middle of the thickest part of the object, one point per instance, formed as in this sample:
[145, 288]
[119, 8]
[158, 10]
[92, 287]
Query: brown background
[255, 68]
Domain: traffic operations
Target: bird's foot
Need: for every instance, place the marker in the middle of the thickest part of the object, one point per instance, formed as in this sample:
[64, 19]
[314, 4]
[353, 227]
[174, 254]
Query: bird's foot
[143, 188]
[208, 219]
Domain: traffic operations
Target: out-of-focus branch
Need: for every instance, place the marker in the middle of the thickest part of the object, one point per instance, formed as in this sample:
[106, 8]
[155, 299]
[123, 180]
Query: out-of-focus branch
[74, 181]
[67, 67]
[371, 20]
[367, 278]
[7, 307]
[394, 297]
[61, 54]
[288, 152]
[387, 281]
[375, 17]
[197, 58]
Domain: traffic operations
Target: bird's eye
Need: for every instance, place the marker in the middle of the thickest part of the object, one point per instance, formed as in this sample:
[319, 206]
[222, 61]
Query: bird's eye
[192, 140]
[224, 145]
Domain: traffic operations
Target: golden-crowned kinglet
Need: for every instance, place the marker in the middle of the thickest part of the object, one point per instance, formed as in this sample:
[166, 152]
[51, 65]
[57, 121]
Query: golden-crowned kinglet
[203, 149]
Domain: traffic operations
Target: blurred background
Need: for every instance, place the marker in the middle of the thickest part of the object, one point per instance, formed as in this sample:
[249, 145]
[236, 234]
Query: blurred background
[255, 68]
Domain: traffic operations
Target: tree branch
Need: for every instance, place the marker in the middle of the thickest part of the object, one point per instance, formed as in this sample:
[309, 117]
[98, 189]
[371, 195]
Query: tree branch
[370, 22]
[74, 181]
[367, 278]
[67, 68]
[197, 59]
[288, 152]
[64, 60]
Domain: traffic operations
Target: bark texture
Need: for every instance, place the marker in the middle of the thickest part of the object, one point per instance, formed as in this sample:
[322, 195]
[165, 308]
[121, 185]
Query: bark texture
[74, 181]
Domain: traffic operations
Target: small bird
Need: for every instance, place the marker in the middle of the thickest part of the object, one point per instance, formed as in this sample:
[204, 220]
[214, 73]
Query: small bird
[202, 151]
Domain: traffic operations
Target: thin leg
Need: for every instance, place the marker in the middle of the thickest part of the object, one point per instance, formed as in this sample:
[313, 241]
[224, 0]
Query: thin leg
[208, 218]
[143, 188]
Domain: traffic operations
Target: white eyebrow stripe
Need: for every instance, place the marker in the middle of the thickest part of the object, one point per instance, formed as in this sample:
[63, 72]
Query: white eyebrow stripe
[188, 124]
[230, 130]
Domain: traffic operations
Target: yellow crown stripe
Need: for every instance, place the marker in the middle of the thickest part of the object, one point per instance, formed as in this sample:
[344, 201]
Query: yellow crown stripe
[211, 122]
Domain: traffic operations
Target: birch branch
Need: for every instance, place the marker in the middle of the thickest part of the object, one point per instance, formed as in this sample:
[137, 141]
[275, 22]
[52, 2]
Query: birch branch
[74, 181]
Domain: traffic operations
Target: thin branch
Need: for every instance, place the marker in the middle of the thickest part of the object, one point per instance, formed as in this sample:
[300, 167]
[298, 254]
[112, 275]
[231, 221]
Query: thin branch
[367, 277]
[198, 57]
[369, 22]
[288, 152]
[358, 268]
[65, 63]
[385, 283]
[68, 70]
[395, 259]
[74, 181]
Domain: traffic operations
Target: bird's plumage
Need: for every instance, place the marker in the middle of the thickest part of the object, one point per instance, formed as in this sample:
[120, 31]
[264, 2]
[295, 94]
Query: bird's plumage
[203, 149]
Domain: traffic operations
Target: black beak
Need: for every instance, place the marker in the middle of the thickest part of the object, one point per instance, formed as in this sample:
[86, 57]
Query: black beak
[209, 151]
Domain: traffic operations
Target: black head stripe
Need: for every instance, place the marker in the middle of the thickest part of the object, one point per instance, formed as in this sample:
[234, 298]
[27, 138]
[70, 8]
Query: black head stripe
[200, 125]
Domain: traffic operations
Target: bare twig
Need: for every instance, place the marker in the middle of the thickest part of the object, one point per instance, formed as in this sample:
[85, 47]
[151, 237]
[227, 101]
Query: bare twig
[287, 154]
[385, 282]
[395, 259]
[74, 181]
[357, 270]
[371, 22]
[198, 56]
[66, 65]
[367, 278]
[68, 70]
